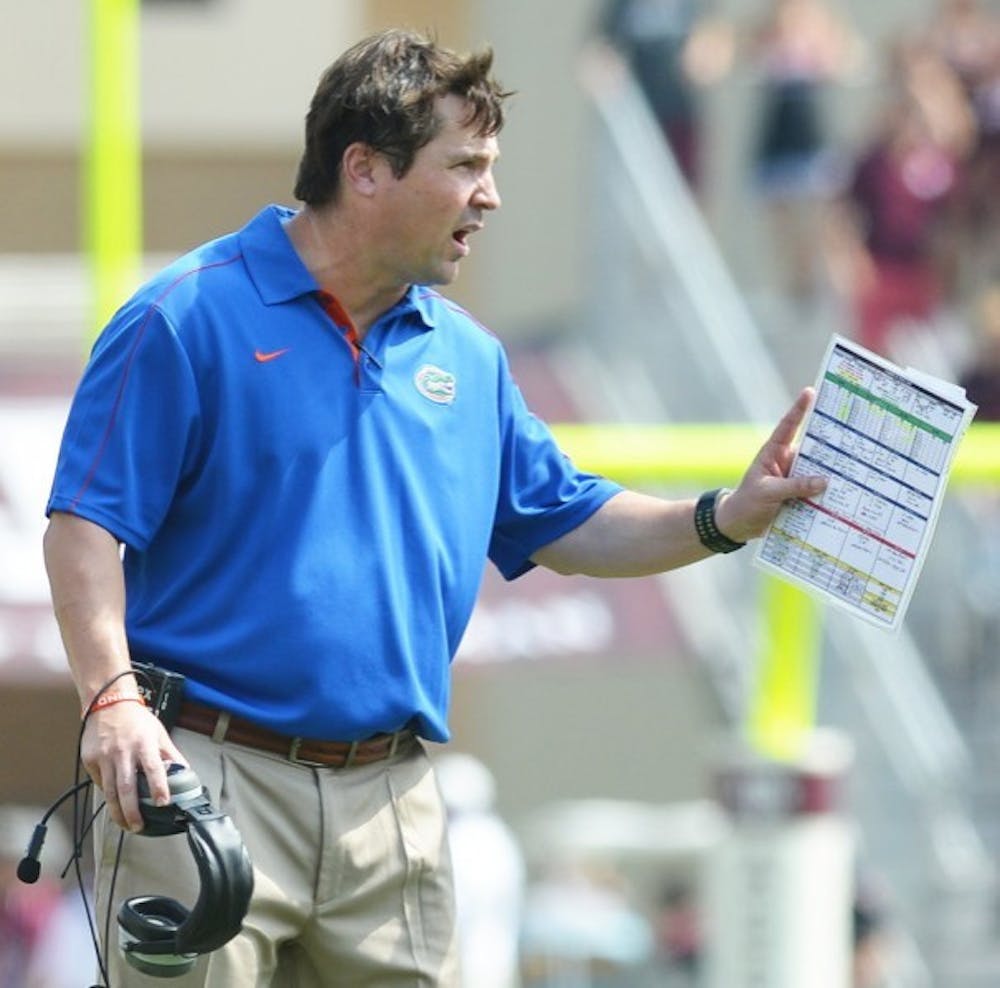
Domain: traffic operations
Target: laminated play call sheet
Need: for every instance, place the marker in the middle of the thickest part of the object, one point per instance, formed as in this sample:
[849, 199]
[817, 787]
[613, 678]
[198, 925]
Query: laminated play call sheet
[885, 438]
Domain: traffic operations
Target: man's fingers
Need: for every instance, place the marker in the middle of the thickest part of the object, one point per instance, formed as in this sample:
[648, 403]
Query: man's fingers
[785, 430]
[128, 797]
[113, 805]
[813, 485]
[117, 783]
[156, 777]
[782, 489]
[169, 752]
[126, 739]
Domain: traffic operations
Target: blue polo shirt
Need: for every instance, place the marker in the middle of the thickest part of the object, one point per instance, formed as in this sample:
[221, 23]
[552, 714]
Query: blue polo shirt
[305, 521]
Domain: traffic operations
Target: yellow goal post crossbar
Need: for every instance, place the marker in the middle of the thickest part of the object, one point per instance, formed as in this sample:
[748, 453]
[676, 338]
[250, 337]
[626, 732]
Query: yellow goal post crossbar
[782, 707]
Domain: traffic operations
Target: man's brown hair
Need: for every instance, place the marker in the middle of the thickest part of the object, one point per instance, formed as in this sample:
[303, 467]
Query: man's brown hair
[383, 92]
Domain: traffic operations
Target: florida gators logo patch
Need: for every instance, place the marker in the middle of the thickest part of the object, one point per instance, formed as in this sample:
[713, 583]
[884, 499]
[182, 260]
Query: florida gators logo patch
[435, 384]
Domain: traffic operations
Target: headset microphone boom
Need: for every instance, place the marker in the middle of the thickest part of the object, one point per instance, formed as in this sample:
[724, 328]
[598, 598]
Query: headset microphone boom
[157, 934]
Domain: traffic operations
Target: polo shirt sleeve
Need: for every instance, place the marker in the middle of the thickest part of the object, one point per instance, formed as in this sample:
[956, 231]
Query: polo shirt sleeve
[542, 495]
[131, 429]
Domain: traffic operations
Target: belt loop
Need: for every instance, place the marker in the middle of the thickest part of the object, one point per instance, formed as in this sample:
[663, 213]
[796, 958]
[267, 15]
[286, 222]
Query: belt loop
[351, 753]
[221, 726]
[394, 743]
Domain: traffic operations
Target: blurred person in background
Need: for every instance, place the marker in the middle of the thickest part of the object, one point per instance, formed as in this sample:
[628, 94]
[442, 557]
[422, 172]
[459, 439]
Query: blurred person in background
[893, 237]
[872, 960]
[489, 873]
[672, 48]
[678, 931]
[981, 378]
[799, 50]
[27, 911]
[308, 455]
[981, 216]
[965, 34]
[65, 945]
[922, 73]
[583, 926]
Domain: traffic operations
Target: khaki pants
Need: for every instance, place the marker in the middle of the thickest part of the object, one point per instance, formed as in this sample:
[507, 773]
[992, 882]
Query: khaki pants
[352, 875]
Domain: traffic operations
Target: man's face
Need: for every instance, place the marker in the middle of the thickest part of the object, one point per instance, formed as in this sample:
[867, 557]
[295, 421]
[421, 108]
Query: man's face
[430, 213]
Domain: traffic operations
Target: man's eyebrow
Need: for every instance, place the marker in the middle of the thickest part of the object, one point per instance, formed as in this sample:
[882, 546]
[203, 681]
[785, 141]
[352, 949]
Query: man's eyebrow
[477, 154]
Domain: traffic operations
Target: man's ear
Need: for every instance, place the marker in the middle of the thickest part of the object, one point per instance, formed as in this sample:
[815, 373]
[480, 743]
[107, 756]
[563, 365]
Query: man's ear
[360, 166]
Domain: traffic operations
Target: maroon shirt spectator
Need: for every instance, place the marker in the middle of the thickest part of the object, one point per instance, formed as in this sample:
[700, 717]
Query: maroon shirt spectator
[899, 192]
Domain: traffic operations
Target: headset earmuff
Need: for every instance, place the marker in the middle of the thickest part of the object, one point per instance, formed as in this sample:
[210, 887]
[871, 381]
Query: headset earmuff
[157, 934]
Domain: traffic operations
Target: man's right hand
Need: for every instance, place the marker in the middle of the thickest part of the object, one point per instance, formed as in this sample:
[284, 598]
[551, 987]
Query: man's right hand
[83, 561]
[116, 740]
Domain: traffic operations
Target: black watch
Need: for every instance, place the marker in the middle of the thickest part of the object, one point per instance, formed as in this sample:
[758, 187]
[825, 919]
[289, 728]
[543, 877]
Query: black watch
[704, 523]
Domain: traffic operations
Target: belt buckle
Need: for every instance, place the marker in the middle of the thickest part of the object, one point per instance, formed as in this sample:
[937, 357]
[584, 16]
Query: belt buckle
[293, 755]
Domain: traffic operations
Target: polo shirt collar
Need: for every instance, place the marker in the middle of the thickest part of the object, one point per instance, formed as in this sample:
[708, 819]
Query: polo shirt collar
[418, 299]
[279, 275]
[275, 267]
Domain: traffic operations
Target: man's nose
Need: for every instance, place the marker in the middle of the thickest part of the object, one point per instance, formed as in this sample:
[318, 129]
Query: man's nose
[487, 196]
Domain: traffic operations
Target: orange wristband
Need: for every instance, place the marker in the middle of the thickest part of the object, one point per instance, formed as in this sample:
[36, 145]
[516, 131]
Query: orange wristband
[110, 699]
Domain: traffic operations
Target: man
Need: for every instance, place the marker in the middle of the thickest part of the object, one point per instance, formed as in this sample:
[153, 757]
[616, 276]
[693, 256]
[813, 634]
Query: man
[308, 454]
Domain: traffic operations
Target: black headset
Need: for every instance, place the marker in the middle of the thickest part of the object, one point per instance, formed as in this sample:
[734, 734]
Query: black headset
[158, 935]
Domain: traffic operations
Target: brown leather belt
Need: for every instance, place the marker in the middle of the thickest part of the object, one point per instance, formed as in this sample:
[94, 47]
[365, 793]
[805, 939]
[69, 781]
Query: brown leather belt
[221, 726]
